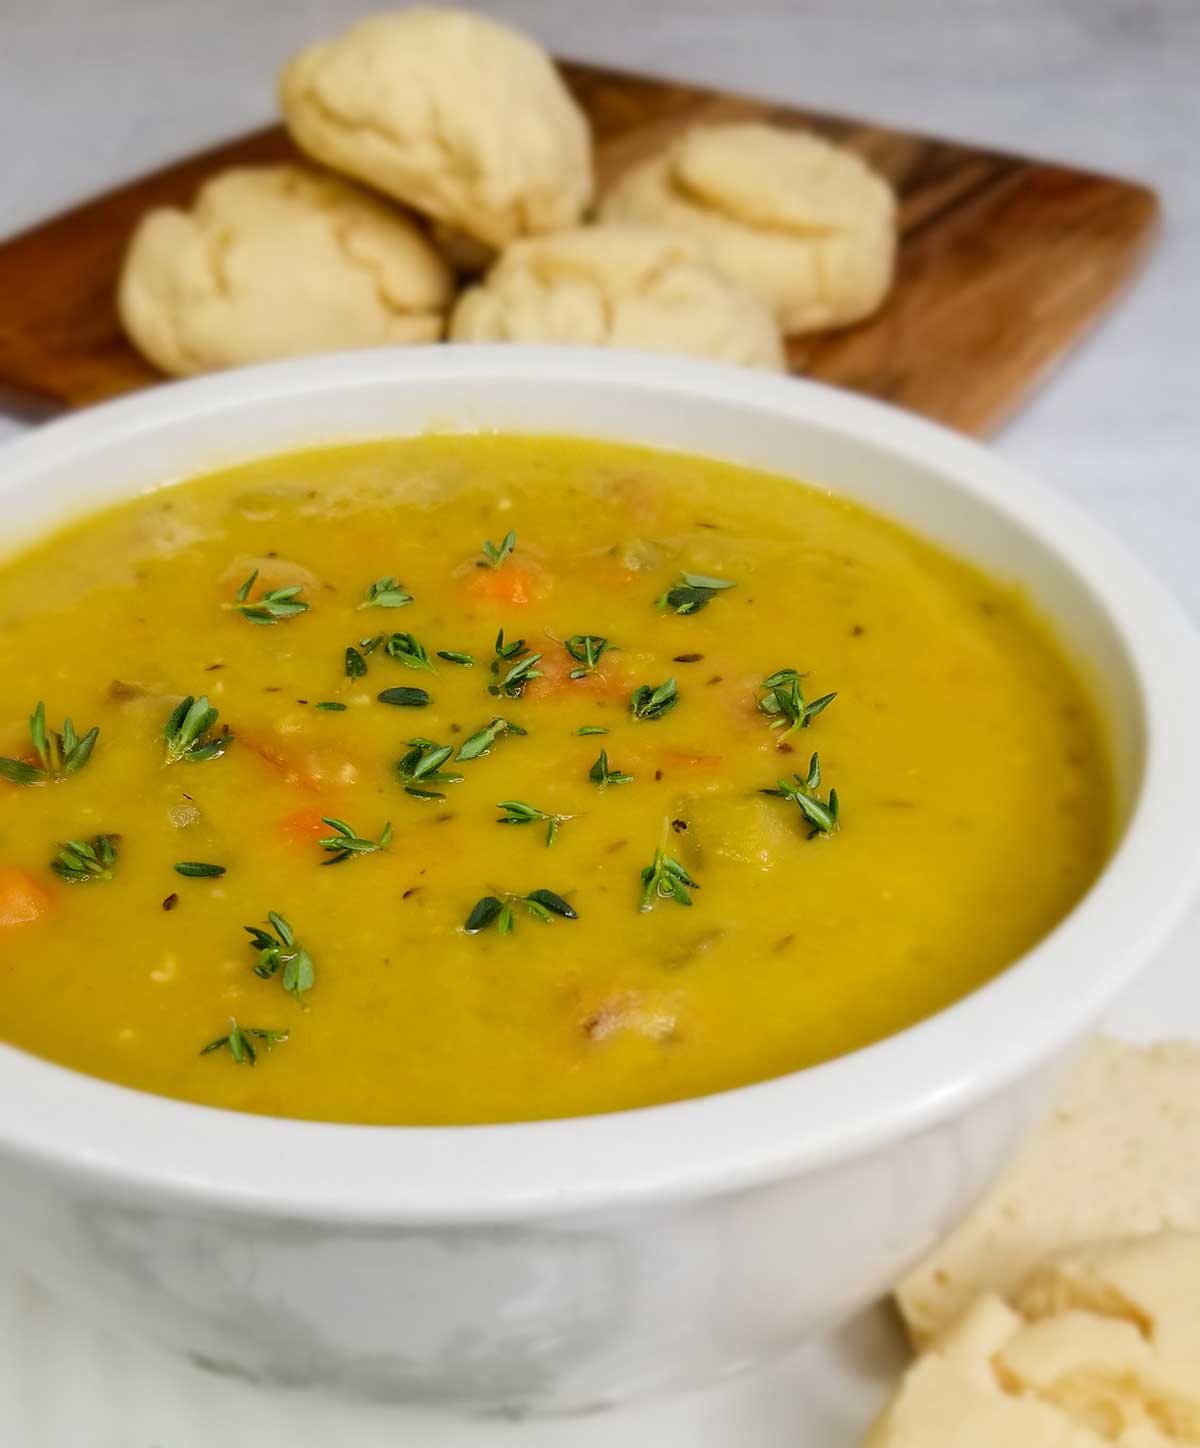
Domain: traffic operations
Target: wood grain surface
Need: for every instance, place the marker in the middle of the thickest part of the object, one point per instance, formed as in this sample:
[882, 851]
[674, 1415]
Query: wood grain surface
[1005, 262]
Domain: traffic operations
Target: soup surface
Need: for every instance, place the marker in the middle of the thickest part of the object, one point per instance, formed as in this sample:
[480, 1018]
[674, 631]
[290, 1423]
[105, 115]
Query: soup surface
[971, 784]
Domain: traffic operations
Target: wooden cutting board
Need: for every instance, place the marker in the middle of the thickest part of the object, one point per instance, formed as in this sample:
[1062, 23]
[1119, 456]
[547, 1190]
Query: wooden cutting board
[1005, 262]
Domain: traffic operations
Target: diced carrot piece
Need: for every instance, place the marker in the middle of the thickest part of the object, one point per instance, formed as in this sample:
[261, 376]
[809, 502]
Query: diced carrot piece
[514, 584]
[23, 899]
[318, 767]
[611, 680]
[303, 827]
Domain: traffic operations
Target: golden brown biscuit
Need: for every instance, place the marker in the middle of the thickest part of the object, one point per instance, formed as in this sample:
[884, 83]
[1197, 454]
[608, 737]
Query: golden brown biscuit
[277, 262]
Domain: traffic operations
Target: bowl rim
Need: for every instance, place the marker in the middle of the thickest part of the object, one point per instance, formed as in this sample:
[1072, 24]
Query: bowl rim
[130, 1141]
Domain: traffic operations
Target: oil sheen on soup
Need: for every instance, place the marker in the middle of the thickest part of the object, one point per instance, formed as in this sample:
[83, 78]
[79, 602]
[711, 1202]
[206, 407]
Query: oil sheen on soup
[465, 779]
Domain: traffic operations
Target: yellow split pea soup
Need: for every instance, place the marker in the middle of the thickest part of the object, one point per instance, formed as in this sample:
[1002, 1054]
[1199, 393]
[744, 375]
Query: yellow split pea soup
[467, 779]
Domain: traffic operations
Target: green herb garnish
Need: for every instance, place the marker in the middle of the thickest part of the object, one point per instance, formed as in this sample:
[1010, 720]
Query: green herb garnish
[270, 607]
[422, 767]
[543, 905]
[240, 1042]
[386, 593]
[494, 556]
[693, 592]
[587, 650]
[81, 861]
[405, 649]
[516, 812]
[356, 665]
[512, 684]
[452, 656]
[186, 732]
[585, 729]
[481, 742]
[59, 755]
[665, 879]
[648, 703]
[198, 870]
[602, 775]
[784, 701]
[404, 698]
[344, 843]
[281, 954]
[821, 814]
[331, 706]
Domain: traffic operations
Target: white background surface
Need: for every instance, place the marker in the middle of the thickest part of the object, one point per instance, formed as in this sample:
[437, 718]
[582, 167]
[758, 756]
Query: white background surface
[94, 91]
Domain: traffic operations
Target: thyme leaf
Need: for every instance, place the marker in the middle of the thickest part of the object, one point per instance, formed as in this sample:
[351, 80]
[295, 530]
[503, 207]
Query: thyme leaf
[281, 954]
[480, 743]
[693, 592]
[652, 703]
[343, 844]
[270, 607]
[495, 555]
[542, 905]
[81, 861]
[187, 735]
[240, 1042]
[405, 649]
[665, 879]
[821, 814]
[422, 767]
[59, 755]
[517, 812]
[198, 870]
[511, 685]
[784, 702]
[386, 593]
[587, 650]
[452, 656]
[602, 775]
[405, 698]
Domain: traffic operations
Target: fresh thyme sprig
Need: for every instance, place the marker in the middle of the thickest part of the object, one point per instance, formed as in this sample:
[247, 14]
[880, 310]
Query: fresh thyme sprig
[652, 703]
[480, 743]
[587, 650]
[343, 844]
[784, 702]
[693, 592]
[281, 954]
[386, 593]
[186, 732]
[269, 607]
[665, 879]
[81, 861]
[543, 905]
[523, 668]
[601, 774]
[59, 755]
[407, 650]
[240, 1042]
[516, 812]
[821, 814]
[495, 555]
[422, 767]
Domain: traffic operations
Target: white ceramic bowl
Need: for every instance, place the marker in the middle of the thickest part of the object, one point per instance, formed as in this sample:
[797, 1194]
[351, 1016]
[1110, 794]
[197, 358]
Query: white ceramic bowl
[557, 1266]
